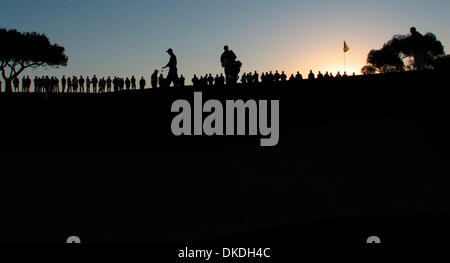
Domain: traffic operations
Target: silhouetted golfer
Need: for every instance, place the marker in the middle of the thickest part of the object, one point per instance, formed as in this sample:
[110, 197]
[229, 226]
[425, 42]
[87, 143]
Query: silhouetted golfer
[229, 63]
[173, 71]
[418, 48]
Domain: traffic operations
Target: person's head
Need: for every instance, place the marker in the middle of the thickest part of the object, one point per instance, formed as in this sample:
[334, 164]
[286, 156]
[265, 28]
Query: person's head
[413, 30]
[170, 51]
[310, 71]
[156, 71]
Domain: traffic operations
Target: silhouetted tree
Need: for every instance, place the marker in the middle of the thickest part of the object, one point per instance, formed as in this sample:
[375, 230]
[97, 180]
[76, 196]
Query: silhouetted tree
[442, 63]
[19, 51]
[418, 51]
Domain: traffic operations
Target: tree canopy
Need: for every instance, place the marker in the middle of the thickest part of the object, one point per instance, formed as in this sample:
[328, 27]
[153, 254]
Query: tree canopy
[405, 52]
[19, 51]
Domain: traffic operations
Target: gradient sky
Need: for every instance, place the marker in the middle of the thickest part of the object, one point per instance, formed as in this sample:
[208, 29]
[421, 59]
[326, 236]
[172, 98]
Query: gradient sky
[125, 37]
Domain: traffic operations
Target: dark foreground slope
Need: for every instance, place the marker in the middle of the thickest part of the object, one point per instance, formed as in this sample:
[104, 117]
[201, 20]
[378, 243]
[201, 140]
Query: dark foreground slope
[356, 157]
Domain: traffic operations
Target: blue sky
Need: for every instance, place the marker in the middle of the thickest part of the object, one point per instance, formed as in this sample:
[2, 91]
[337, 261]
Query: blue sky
[119, 37]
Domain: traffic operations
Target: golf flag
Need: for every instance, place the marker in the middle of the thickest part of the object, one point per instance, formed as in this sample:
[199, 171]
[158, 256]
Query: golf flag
[346, 47]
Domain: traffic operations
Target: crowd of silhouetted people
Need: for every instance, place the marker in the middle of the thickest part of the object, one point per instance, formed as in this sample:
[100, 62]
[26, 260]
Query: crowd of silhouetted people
[266, 79]
[94, 84]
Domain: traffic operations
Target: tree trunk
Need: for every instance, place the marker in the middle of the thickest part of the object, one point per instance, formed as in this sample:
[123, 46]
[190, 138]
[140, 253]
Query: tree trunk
[8, 85]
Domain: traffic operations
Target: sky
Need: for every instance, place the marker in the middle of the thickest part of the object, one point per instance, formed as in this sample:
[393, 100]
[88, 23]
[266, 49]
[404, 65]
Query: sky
[130, 37]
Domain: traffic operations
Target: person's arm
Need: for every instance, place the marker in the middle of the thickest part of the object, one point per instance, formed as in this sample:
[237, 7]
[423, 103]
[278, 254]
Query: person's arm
[233, 55]
[168, 64]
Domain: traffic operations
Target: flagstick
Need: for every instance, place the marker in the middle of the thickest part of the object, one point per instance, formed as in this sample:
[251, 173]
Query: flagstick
[345, 65]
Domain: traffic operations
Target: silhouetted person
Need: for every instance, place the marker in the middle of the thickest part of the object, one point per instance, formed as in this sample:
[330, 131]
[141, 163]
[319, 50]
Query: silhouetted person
[154, 79]
[418, 47]
[94, 84]
[320, 75]
[69, 85]
[277, 76]
[270, 77]
[222, 79]
[311, 75]
[255, 77]
[326, 76]
[338, 75]
[142, 83]
[162, 81]
[195, 81]
[102, 85]
[292, 78]
[16, 84]
[210, 80]
[35, 83]
[27, 84]
[283, 77]
[108, 84]
[63, 83]
[298, 76]
[173, 71]
[216, 80]
[133, 83]
[115, 83]
[249, 79]
[181, 81]
[81, 81]
[244, 79]
[345, 75]
[204, 81]
[121, 84]
[127, 83]
[88, 85]
[24, 84]
[56, 84]
[75, 84]
[228, 61]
